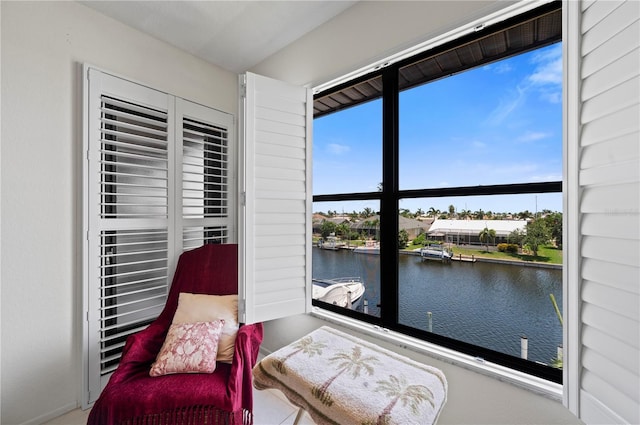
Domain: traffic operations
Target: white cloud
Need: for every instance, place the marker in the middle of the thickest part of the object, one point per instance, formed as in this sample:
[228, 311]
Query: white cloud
[506, 106]
[337, 149]
[547, 75]
[502, 68]
[532, 136]
[546, 80]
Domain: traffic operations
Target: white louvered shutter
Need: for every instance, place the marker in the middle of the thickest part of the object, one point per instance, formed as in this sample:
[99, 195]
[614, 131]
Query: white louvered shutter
[605, 373]
[129, 187]
[207, 166]
[275, 220]
[160, 178]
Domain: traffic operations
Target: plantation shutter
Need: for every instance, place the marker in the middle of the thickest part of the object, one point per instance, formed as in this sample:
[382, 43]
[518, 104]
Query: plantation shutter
[275, 215]
[606, 367]
[128, 243]
[208, 176]
[159, 179]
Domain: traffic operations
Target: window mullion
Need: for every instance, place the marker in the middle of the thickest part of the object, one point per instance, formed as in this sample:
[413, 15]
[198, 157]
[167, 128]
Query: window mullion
[389, 203]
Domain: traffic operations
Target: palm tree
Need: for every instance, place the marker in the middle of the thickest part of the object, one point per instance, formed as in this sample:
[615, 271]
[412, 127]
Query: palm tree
[354, 363]
[343, 229]
[433, 212]
[306, 345]
[487, 235]
[398, 390]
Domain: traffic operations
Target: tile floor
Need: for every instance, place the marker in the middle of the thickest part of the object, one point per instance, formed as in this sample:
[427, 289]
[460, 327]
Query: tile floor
[270, 407]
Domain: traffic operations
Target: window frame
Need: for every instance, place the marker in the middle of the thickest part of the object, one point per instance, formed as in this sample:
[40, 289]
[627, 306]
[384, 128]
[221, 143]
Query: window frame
[391, 195]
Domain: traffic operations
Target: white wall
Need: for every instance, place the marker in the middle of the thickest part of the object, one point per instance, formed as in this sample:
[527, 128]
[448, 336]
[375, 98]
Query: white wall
[43, 44]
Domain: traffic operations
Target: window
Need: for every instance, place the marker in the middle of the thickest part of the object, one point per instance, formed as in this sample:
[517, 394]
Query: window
[432, 166]
[157, 180]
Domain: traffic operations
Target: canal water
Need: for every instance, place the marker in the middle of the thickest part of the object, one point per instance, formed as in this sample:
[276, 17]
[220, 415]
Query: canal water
[486, 304]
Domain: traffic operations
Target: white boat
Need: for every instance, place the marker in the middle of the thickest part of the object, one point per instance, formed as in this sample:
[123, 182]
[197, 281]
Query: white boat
[331, 243]
[343, 292]
[369, 248]
[435, 252]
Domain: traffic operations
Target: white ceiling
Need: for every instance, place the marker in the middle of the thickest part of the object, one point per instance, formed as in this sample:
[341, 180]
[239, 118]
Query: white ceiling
[235, 35]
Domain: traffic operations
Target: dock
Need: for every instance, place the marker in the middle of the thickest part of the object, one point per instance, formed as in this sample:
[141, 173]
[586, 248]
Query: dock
[464, 258]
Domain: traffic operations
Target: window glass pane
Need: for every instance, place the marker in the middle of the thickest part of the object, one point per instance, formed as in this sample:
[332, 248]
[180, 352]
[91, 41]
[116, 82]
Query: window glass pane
[495, 124]
[347, 150]
[346, 254]
[484, 271]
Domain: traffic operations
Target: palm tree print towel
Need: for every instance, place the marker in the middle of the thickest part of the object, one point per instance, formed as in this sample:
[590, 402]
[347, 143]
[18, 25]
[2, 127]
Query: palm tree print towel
[341, 379]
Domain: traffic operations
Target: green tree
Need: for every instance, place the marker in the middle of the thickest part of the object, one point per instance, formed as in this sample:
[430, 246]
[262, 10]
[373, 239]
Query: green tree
[487, 235]
[327, 228]
[553, 221]
[397, 390]
[452, 210]
[419, 212]
[343, 230]
[524, 215]
[516, 237]
[403, 239]
[406, 213]
[420, 239]
[537, 235]
[433, 212]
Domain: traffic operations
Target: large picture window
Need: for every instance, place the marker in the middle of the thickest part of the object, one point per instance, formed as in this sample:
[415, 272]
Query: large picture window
[438, 195]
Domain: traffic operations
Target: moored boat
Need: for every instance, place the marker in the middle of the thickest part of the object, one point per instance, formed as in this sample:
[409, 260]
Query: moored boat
[344, 292]
[369, 248]
[331, 243]
[436, 252]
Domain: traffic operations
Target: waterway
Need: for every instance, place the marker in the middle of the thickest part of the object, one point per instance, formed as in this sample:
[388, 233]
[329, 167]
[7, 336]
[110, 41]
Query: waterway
[486, 304]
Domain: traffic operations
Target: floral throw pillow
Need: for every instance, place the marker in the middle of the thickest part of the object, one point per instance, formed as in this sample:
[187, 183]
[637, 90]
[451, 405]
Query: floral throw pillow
[189, 348]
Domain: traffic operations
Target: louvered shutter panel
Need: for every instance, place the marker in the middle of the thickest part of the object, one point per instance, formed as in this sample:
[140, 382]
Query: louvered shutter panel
[275, 223]
[128, 188]
[208, 178]
[608, 176]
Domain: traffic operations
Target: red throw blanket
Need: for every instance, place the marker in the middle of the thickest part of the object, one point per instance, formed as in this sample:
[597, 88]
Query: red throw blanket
[225, 396]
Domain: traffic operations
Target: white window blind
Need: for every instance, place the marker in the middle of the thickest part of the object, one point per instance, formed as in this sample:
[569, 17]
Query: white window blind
[158, 179]
[208, 177]
[275, 223]
[604, 366]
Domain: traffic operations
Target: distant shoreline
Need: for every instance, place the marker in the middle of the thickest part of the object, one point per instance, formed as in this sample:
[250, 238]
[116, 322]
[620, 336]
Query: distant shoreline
[481, 259]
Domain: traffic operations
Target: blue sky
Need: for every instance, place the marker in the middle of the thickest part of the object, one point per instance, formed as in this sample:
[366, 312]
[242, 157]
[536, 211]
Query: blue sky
[500, 123]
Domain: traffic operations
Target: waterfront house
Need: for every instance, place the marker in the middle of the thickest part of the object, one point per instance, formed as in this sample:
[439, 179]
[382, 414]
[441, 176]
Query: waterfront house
[43, 47]
[461, 232]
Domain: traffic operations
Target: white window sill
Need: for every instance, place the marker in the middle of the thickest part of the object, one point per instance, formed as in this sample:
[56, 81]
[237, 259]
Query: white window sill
[540, 386]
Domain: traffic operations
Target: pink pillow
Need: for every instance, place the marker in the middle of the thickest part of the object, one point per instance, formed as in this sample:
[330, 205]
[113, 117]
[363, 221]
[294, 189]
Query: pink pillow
[206, 308]
[189, 348]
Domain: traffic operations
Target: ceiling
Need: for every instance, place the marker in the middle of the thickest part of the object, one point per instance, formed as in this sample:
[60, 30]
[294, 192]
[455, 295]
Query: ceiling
[235, 35]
